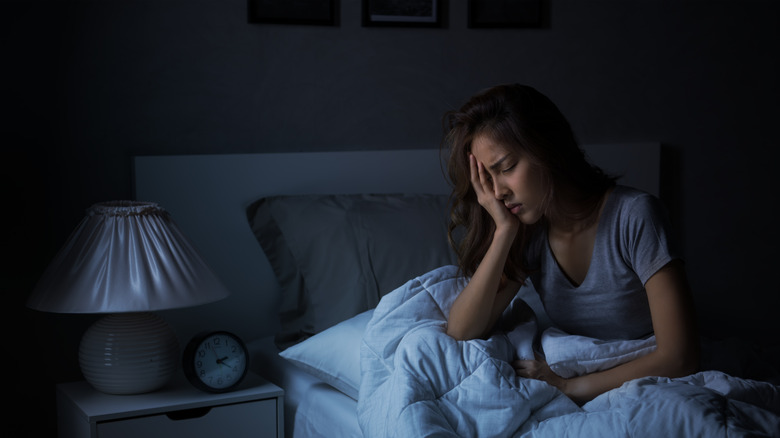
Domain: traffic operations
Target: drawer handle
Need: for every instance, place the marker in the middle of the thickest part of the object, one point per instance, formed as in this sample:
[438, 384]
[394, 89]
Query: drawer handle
[188, 414]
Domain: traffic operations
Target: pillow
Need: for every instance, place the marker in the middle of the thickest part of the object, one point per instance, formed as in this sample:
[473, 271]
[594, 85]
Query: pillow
[403, 238]
[334, 354]
[336, 255]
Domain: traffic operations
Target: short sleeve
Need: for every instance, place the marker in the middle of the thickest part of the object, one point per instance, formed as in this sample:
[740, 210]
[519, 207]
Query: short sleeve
[646, 238]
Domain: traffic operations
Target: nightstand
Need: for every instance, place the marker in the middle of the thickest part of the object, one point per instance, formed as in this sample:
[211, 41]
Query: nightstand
[254, 409]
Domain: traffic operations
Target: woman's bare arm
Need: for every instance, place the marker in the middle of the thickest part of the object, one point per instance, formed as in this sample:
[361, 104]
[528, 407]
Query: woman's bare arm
[479, 305]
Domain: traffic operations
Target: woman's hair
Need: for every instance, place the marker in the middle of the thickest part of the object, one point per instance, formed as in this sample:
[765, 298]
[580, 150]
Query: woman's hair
[526, 121]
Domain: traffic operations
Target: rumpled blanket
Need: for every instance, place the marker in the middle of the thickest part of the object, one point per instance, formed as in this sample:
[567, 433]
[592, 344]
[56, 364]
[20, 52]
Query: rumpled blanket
[418, 381]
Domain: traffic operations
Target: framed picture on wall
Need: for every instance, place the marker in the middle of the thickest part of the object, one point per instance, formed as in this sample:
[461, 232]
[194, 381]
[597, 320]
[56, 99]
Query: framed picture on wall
[505, 13]
[421, 13]
[317, 12]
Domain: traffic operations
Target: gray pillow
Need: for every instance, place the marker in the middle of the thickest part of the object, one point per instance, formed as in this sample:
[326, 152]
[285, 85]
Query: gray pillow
[336, 255]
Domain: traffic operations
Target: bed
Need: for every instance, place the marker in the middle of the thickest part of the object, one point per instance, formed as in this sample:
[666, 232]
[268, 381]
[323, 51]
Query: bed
[340, 280]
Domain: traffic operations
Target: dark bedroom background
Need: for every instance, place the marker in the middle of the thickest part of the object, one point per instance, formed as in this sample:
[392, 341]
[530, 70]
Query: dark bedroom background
[89, 84]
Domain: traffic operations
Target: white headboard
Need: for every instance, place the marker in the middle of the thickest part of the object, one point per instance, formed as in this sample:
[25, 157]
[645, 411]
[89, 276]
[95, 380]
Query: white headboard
[207, 196]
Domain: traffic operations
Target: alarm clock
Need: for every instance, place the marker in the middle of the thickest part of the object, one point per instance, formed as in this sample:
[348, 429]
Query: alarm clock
[215, 361]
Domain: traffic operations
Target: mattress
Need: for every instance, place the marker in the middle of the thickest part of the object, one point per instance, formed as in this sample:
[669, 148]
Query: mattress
[312, 408]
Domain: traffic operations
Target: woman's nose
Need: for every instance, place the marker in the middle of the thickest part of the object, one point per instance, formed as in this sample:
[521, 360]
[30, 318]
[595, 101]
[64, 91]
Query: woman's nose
[499, 190]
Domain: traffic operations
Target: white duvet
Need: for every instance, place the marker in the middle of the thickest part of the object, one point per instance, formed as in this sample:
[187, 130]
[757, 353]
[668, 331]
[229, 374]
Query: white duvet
[417, 381]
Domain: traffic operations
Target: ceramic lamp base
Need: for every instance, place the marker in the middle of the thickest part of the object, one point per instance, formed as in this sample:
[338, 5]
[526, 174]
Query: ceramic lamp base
[129, 353]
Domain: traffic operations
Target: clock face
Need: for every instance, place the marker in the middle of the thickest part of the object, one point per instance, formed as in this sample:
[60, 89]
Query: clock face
[216, 361]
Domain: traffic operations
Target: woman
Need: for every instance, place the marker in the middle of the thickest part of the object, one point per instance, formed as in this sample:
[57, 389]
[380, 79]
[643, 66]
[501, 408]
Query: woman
[597, 253]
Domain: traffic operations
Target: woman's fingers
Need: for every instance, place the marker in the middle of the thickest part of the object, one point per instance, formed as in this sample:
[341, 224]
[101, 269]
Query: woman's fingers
[479, 178]
[534, 369]
[527, 368]
[483, 178]
[483, 187]
[476, 177]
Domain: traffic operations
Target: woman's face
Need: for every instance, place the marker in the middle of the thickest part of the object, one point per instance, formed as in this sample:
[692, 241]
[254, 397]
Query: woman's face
[515, 181]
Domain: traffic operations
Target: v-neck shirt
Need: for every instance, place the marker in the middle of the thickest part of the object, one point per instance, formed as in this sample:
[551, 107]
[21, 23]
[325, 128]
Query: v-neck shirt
[632, 243]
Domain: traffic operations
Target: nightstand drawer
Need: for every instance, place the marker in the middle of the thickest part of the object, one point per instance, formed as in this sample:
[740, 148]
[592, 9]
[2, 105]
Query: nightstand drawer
[178, 410]
[248, 419]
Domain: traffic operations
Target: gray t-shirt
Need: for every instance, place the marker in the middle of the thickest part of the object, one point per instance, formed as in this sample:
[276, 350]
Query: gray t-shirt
[632, 243]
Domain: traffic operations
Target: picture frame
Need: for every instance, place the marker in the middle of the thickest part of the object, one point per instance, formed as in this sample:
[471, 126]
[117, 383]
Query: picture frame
[505, 13]
[305, 12]
[403, 13]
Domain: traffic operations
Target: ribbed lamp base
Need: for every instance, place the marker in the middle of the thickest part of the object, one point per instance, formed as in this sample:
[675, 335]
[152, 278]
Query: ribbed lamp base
[129, 353]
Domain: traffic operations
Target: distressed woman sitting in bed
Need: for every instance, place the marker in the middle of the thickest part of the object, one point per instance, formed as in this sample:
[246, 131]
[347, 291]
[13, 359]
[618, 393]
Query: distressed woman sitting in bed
[599, 254]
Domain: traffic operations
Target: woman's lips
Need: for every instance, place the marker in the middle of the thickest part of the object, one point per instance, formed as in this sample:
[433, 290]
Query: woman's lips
[514, 208]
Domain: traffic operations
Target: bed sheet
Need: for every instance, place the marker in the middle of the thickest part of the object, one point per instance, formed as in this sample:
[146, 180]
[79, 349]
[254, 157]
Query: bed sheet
[312, 408]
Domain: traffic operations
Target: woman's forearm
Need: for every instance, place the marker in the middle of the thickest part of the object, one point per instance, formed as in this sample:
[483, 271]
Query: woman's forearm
[480, 303]
[584, 388]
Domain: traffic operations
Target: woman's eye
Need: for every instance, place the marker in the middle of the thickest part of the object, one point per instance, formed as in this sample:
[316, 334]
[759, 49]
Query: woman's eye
[508, 169]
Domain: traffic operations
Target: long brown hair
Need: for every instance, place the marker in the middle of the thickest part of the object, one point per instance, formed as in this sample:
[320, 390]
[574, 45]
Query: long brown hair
[527, 121]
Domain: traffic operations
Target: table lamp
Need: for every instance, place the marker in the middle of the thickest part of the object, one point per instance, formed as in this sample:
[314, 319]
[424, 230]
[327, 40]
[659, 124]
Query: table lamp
[126, 259]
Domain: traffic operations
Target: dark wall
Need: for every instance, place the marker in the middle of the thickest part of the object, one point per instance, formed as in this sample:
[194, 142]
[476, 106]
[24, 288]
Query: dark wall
[92, 83]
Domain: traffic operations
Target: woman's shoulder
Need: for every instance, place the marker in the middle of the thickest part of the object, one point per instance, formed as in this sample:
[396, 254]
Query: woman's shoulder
[625, 197]
[629, 193]
[631, 205]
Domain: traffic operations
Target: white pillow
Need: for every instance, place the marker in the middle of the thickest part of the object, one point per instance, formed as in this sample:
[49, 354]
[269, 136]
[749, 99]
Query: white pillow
[333, 355]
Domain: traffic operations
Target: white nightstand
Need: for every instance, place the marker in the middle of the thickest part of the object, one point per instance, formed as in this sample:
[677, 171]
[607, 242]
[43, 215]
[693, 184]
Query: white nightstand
[255, 409]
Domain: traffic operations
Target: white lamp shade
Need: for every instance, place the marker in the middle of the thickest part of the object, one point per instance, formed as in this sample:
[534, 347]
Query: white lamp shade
[126, 256]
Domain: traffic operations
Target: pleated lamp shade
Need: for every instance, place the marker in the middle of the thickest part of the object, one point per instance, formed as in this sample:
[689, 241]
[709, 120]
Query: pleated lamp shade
[127, 259]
